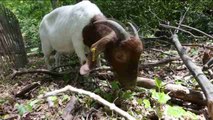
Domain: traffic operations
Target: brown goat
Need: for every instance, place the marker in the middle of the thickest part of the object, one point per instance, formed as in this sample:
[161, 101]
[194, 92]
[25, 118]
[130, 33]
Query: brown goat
[121, 49]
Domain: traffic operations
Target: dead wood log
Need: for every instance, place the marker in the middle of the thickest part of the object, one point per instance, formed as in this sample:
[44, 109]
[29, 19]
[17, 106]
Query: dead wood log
[26, 89]
[196, 71]
[175, 91]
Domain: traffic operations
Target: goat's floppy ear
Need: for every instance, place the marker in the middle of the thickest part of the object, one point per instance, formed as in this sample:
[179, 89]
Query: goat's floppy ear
[95, 50]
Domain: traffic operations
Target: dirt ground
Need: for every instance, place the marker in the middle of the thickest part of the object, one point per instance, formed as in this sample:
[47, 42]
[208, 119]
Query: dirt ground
[29, 107]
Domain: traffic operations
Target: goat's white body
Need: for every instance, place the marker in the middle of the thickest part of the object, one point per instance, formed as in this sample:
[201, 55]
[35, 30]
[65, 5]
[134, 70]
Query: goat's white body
[61, 29]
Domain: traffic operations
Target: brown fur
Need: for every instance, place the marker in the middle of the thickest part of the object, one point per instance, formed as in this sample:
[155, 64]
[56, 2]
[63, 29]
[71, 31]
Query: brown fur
[122, 55]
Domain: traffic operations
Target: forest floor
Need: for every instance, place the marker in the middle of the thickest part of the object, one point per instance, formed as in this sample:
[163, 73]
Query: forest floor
[141, 103]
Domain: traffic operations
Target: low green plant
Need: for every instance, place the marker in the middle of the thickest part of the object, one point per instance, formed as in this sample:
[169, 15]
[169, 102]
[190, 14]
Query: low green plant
[28, 107]
[161, 108]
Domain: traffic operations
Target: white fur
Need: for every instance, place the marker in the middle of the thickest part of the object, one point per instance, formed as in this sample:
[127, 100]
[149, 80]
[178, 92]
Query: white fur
[61, 29]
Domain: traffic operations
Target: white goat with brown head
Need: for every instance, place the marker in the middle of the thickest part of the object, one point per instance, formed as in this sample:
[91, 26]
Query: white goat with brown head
[72, 28]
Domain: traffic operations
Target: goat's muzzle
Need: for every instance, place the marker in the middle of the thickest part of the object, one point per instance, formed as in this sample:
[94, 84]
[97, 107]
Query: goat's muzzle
[128, 81]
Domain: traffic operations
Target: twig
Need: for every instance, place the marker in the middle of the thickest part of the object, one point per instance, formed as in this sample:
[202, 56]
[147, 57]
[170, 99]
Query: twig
[173, 27]
[44, 71]
[53, 69]
[209, 64]
[161, 51]
[155, 15]
[181, 20]
[186, 26]
[101, 68]
[162, 38]
[94, 96]
[198, 45]
[161, 62]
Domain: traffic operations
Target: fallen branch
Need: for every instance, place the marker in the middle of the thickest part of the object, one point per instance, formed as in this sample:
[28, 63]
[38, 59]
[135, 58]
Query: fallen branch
[67, 112]
[162, 62]
[175, 91]
[196, 71]
[61, 66]
[198, 45]
[27, 89]
[161, 51]
[181, 20]
[94, 96]
[43, 71]
[186, 26]
[209, 64]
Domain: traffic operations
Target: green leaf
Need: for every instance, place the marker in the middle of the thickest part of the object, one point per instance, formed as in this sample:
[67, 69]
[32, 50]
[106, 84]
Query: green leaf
[178, 112]
[178, 82]
[53, 98]
[175, 111]
[28, 107]
[108, 97]
[190, 115]
[146, 103]
[127, 95]
[65, 98]
[140, 101]
[2, 101]
[97, 90]
[21, 109]
[34, 102]
[158, 82]
[161, 97]
[115, 85]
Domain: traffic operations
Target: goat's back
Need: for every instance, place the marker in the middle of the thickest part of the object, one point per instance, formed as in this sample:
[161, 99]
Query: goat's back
[64, 25]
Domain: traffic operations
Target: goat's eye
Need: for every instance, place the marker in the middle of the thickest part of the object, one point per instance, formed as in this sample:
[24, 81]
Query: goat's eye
[121, 56]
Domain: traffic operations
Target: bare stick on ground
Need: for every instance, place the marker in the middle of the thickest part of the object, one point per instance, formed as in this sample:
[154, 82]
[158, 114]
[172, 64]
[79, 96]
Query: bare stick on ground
[162, 62]
[196, 71]
[42, 71]
[199, 45]
[95, 97]
[67, 113]
[27, 89]
[209, 64]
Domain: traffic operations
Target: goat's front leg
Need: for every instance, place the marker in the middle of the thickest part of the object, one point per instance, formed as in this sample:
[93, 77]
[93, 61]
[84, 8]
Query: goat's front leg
[57, 59]
[80, 51]
[47, 62]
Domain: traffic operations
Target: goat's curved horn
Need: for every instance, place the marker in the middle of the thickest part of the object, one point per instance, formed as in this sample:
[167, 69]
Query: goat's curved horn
[134, 29]
[119, 30]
